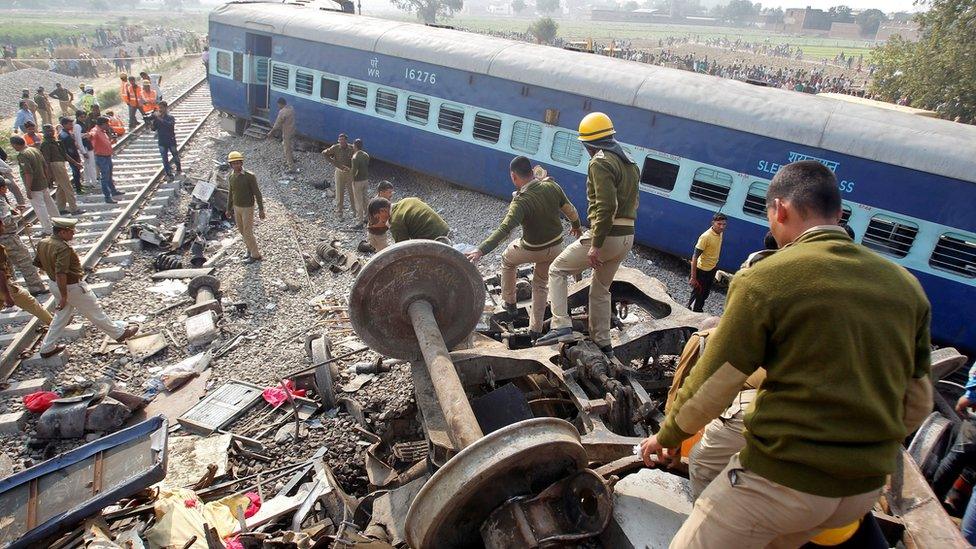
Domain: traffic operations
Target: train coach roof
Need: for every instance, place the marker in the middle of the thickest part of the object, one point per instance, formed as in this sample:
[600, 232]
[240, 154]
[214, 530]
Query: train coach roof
[929, 145]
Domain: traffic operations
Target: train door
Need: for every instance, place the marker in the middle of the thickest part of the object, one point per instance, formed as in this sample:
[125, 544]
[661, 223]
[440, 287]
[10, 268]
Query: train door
[258, 61]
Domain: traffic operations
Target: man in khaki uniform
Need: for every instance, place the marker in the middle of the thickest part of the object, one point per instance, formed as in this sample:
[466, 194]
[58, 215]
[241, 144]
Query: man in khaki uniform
[17, 253]
[611, 194]
[244, 192]
[33, 173]
[360, 180]
[285, 124]
[63, 266]
[65, 99]
[55, 157]
[536, 205]
[704, 262]
[44, 106]
[340, 156]
[14, 294]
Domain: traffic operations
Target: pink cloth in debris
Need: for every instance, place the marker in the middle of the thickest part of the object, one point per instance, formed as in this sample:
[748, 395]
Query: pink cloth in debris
[276, 395]
[254, 506]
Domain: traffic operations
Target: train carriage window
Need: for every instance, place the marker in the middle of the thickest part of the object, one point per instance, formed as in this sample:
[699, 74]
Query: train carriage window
[526, 136]
[955, 253]
[418, 109]
[658, 173]
[711, 186]
[487, 128]
[304, 83]
[224, 63]
[386, 102]
[450, 119]
[356, 95]
[890, 236]
[280, 77]
[845, 213]
[329, 89]
[566, 148]
[755, 204]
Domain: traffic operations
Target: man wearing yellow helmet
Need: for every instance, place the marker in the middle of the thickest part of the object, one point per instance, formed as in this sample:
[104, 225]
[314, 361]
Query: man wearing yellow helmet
[244, 193]
[611, 195]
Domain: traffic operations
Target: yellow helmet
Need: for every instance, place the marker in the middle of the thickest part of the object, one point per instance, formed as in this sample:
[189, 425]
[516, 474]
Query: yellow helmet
[595, 125]
[836, 536]
[234, 156]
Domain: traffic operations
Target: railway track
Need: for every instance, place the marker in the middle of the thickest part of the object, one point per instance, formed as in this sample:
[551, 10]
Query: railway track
[137, 172]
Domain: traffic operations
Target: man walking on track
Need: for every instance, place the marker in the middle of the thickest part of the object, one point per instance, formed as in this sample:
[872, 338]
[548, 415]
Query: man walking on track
[244, 193]
[102, 145]
[33, 173]
[17, 253]
[63, 266]
[55, 156]
[704, 262]
[611, 194]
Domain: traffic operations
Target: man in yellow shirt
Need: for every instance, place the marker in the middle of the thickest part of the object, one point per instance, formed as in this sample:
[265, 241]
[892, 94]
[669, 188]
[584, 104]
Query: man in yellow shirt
[705, 262]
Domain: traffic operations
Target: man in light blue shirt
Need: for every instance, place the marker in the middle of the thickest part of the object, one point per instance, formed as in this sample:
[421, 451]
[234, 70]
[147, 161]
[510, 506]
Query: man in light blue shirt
[23, 116]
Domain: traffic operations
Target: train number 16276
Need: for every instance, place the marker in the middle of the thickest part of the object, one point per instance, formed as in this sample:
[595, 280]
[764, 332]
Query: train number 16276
[420, 76]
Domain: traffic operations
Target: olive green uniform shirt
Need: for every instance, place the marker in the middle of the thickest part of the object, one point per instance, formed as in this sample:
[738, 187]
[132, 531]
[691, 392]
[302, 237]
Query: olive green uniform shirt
[339, 156]
[42, 102]
[6, 268]
[360, 166]
[844, 336]
[412, 219]
[244, 191]
[55, 256]
[52, 151]
[536, 207]
[611, 194]
[31, 163]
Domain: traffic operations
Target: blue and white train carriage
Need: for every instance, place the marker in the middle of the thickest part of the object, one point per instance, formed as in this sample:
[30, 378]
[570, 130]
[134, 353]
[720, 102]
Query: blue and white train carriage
[459, 106]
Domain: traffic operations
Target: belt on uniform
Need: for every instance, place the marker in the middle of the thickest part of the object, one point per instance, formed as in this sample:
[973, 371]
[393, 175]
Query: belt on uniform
[623, 221]
[104, 155]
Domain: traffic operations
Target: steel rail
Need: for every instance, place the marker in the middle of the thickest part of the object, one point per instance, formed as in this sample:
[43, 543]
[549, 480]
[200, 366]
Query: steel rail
[10, 359]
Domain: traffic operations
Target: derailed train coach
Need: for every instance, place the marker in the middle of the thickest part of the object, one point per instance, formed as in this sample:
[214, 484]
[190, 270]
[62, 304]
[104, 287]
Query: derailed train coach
[458, 106]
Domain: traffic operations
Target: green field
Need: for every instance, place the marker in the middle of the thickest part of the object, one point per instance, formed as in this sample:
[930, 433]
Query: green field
[29, 28]
[602, 31]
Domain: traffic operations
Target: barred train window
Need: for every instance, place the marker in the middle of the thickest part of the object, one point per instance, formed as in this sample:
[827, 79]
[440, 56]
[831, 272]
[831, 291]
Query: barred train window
[955, 253]
[890, 236]
[223, 63]
[566, 148]
[526, 137]
[658, 173]
[261, 70]
[280, 77]
[356, 95]
[487, 127]
[304, 82]
[386, 102]
[711, 186]
[450, 119]
[418, 109]
[755, 204]
[329, 89]
[845, 213]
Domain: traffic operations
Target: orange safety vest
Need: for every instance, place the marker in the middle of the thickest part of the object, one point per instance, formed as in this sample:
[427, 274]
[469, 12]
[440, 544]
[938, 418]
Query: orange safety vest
[131, 95]
[148, 101]
[117, 125]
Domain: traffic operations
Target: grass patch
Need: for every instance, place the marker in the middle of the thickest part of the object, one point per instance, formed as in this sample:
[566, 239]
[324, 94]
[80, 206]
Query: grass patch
[108, 99]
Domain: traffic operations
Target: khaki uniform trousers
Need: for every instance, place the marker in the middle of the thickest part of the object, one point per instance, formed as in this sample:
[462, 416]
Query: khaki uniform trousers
[46, 116]
[44, 209]
[742, 509]
[21, 259]
[67, 108]
[377, 241]
[359, 189]
[65, 194]
[516, 255]
[573, 261]
[81, 300]
[244, 218]
[721, 440]
[287, 147]
[27, 303]
[343, 183]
